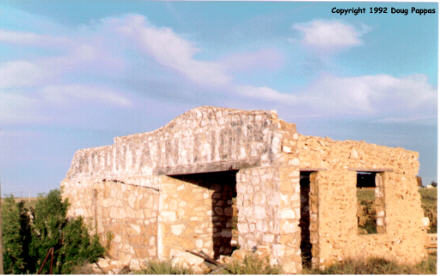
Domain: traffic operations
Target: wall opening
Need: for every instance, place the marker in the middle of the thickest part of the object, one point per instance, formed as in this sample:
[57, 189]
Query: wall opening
[222, 190]
[370, 202]
[304, 223]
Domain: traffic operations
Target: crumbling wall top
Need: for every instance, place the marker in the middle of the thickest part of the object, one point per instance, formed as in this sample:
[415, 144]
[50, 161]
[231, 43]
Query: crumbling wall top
[203, 139]
[326, 153]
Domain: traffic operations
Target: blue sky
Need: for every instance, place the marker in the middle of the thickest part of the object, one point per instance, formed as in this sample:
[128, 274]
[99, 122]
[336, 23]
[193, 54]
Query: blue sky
[75, 74]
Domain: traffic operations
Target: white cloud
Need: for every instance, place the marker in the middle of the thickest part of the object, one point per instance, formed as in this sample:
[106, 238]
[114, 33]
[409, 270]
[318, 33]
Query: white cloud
[20, 74]
[371, 95]
[266, 94]
[405, 120]
[69, 93]
[267, 59]
[32, 39]
[37, 107]
[169, 49]
[98, 52]
[329, 35]
[15, 108]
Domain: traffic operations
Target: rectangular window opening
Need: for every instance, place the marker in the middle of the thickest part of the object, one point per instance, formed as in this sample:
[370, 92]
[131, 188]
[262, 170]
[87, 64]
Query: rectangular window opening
[370, 202]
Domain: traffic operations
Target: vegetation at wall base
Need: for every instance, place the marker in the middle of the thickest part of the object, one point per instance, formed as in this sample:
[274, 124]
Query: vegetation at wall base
[251, 265]
[163, 267]
[378, 266]
[366, 213]
[254, 265]
[29, 233]
[429, 205]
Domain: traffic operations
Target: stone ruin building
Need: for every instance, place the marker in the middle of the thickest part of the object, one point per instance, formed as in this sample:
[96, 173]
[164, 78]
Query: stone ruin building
[215, 173]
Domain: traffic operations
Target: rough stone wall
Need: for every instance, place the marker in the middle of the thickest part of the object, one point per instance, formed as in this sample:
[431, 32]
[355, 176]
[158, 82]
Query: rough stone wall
[128, 213]
[135, 189]
[268, 203]
[205, 139]
[196, 214]
[258, 202]
[337, 163]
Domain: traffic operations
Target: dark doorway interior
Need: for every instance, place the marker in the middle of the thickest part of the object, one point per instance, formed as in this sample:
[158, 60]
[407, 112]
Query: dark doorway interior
[366, 180]
[224, 212]
[304, 223]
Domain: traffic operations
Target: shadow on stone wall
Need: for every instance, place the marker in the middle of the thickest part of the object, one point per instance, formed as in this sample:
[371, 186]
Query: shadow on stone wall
[223, 186]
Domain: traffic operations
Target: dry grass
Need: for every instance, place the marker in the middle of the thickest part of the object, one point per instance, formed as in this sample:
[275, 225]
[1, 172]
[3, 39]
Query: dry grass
[251, 264]
[429, 205]
[378, 266]
[28, 201]
[163, 267]
[367, 214]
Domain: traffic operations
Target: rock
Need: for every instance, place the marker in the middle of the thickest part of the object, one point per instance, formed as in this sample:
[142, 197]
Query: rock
[134, 265]
[103, 263]
[425, 222]
[188, 261]
[124, 270]
[239, 254]
[225, 259]
[354, 154]
[177, 229]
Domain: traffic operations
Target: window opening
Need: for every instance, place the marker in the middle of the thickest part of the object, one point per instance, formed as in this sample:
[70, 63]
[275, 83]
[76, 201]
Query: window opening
[370, 203]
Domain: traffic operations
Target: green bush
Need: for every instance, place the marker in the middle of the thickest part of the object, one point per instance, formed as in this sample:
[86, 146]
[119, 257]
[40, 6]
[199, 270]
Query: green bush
[28, 235]
[16, 237]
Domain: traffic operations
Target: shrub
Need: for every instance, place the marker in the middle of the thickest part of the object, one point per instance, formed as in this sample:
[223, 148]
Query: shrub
[43, 228]
[16, 236]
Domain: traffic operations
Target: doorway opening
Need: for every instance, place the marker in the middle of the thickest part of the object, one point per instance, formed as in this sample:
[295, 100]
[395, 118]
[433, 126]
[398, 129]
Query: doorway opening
[221, 203]
[304, 223]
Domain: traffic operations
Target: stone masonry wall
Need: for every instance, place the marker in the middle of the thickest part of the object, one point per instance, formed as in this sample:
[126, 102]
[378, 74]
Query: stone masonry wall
[196, 214]
[135, 189]
[268, 205]
[337, 163]
[128, 213]
[202, 140]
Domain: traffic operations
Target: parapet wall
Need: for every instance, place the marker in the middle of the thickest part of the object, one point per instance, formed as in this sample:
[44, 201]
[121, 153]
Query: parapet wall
[336, 163]
[204, 139]
[325, 153]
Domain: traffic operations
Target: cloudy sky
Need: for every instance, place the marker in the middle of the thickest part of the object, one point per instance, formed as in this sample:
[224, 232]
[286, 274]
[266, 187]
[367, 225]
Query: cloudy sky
[75, 74]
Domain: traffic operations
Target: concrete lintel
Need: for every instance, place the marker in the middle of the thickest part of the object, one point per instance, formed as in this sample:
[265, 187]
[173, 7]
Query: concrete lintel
[207, 167]
[371, 169]
[307, 169]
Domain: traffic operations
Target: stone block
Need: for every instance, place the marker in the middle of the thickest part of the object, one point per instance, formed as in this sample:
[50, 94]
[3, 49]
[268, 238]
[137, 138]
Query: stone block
[177, 229]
